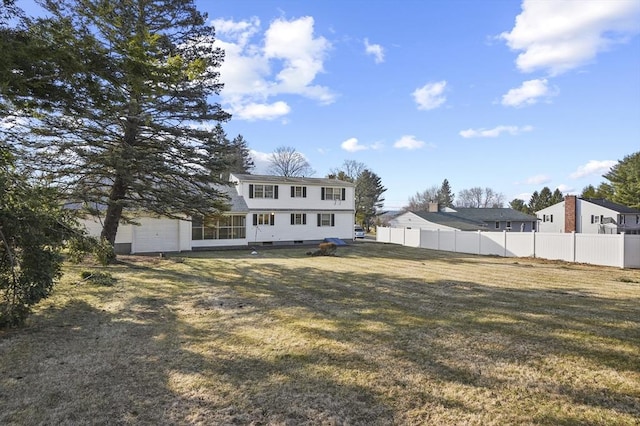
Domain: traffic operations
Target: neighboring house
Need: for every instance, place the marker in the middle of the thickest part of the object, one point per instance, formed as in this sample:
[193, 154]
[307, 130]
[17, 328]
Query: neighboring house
[589, 216]
[265, 210]
[466, 219]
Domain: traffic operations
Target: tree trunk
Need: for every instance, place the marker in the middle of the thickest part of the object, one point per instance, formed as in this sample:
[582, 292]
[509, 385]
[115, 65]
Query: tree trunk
[114, 210]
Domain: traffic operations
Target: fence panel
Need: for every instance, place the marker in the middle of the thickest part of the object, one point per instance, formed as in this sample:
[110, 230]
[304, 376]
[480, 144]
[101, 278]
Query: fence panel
[632, 251]
[468, 242]
[397, 236]
[412, 237]
[520, 244]
[430, 239]
[555, 246]
[383, 235]
[492, 243]
[602, 249]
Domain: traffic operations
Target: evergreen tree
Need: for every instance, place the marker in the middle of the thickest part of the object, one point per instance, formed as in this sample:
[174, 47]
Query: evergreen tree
[136, 76]
[588, 192]
[545, 198]
[625, 181]
[556, 197]
[519, 205]
[368, 198]
[33, 230]
[534, 202]
[239, 156]
[445, 196]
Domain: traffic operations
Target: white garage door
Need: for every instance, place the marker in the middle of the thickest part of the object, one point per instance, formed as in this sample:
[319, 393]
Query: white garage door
[156, 235]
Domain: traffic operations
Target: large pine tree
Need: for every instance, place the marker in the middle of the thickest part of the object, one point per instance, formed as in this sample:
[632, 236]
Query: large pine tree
[134, 87]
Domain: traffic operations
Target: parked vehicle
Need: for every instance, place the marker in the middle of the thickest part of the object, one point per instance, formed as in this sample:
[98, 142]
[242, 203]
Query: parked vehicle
[358, 231]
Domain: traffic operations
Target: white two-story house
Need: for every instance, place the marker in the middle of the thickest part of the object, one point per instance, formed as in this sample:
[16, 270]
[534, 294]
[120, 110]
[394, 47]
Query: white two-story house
[264, 210]
[589, 216]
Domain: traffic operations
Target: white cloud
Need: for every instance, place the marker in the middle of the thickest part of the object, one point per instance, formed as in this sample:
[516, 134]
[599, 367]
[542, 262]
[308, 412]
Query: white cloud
[566, 189]
[254, 111]
[525, 196]
[430, 95]
[593, 167]
[528, 93]
[352, 145]
[285, 61]
[537, 180]
[495, 132]
[408, 142]
[561, 35]
[374, 49]
[261, 160]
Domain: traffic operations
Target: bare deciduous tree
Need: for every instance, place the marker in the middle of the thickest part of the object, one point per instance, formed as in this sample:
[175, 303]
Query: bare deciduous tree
[286, 161]
[479, 198]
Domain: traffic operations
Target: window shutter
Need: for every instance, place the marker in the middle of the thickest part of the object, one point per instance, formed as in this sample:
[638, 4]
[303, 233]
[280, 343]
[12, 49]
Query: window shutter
[293, 219]
[551, 218]
[304, 218]
[272, 219]
[251, 193]
[344, 195]
[591, 218]
[321, 194]
[293, 191]
[304, 192]
[275, 192]
[255, 219]
[333, 219]
[319, 219]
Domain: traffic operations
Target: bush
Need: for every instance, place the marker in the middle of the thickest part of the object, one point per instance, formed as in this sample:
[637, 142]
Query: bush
[100, 278]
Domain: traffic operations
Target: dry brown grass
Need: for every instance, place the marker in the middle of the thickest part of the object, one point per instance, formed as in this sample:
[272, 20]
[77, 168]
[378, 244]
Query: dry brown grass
[379, 334]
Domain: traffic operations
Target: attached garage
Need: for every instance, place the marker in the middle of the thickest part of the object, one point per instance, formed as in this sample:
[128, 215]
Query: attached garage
[156, 235]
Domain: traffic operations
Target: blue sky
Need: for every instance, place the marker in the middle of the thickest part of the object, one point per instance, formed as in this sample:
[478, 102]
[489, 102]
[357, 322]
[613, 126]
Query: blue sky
[509, 95]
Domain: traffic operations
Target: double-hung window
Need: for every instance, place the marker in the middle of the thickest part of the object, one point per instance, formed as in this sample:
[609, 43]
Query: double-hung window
[298, 192]
[326, 219]
[298, 218]
[264, 219]
[263, 191]
[329, 193]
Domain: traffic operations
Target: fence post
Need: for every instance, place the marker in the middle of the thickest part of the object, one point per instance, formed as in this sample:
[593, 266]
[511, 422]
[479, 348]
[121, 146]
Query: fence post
[504, 254]
[438, 239]
[622, 242]
[479, 243]
[533, 243]
[573, 246]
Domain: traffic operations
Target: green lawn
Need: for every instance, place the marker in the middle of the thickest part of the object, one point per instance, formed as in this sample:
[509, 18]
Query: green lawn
[378, 334]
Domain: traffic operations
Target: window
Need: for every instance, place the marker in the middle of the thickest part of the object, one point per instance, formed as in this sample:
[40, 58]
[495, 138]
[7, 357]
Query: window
[622, 219]
[638, 219]
[263, 219]
[298, 218]
[508, 224]
[547, 218]
[263, 191]
[326, 219]
[333, 193]
[298, 192]
[497, 225]
[228, 227]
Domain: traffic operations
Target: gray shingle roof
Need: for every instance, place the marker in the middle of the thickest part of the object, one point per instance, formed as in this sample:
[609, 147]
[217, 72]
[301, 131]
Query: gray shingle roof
[453, 221]
[620, 208]
[493, 214]
[293, 180]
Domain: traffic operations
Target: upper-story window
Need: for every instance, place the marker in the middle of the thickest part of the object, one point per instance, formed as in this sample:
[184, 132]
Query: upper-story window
[327, 193]
[547, 218]
[497, 225]
[263, 191]
[298, 192]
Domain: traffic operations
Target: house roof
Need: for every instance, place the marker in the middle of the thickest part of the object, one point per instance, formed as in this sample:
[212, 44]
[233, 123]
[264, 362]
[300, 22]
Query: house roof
[292, 180]
[493, 214]
[620, 208]
[451, 220]
[237, 203]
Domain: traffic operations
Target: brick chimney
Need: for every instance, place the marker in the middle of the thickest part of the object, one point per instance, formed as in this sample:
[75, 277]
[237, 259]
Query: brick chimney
[433, 207]
[570, 202]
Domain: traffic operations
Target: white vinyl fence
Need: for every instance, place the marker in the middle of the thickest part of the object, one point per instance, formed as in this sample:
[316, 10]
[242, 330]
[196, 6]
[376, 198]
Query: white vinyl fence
[619, 250]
